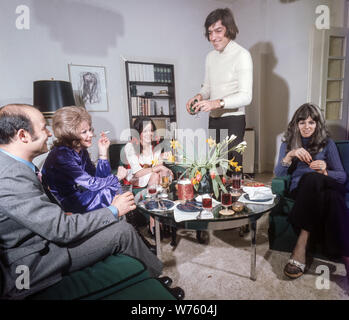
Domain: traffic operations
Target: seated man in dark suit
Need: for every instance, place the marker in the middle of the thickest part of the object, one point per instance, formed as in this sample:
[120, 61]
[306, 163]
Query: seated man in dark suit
[38, 234]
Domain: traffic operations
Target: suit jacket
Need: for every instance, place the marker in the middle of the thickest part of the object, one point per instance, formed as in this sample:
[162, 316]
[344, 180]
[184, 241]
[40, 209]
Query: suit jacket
[35, 232]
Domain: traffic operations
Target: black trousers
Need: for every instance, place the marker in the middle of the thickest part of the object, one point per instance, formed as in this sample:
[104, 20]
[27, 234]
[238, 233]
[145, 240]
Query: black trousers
[231, 125]
[321, 210]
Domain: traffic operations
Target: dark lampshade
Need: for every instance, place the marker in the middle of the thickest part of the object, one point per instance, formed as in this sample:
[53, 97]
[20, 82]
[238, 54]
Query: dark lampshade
[50, 95]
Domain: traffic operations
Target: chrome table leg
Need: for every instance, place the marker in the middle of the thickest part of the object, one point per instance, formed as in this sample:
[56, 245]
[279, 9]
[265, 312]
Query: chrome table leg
[253, 228]
[157, 238]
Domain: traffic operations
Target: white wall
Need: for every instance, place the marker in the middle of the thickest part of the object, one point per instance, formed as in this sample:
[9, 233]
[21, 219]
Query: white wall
[278, 34]
[102, 32]
[94, 32]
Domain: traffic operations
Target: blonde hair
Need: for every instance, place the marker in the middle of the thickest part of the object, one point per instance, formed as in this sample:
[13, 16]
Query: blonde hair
[65, 124]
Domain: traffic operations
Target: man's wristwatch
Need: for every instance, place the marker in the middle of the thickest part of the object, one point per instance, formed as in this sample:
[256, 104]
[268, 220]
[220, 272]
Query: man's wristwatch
[222, 103]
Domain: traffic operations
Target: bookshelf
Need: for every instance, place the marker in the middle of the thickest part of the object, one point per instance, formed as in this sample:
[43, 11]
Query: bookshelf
[151, 93]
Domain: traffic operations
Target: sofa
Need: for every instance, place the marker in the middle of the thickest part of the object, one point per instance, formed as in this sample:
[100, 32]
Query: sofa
[118, 277]
[281, 234]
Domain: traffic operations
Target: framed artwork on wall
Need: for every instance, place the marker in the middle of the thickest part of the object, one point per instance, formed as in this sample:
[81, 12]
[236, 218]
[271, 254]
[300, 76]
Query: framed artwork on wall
[89, 86]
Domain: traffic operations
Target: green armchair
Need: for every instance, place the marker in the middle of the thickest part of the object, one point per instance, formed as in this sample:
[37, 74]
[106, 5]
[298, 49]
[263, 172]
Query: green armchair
[118, 277]
[281, 234]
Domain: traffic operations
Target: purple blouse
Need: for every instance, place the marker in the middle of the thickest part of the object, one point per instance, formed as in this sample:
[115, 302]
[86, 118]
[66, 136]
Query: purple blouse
[329, 154]
[76, 182]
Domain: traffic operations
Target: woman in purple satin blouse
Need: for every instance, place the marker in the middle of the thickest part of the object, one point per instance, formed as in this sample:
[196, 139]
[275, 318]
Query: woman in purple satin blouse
[319, 214]
[76, 182]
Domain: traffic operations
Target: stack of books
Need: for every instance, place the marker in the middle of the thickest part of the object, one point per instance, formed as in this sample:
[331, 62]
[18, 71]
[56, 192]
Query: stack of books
[149, 73]
[143, 106]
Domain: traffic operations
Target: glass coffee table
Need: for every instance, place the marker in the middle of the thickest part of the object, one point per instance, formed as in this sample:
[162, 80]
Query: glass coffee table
[250, 215]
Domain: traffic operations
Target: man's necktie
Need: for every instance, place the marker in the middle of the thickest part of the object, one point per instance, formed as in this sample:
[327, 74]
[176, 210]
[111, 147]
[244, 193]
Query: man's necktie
[46, 187]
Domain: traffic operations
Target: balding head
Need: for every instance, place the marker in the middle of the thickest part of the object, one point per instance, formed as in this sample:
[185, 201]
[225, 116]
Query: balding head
[14, 117]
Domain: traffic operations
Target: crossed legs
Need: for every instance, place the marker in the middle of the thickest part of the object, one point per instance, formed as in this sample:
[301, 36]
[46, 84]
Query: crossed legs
[119, 237]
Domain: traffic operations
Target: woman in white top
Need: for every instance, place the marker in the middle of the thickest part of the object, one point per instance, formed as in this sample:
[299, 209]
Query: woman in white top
[144, 155]
[144, 158]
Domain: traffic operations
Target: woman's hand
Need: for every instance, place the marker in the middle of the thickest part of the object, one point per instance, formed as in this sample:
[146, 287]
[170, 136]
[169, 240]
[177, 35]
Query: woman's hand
[103, 146]
[300, 153]
[319, 166]
[162, 170]
[122, 173]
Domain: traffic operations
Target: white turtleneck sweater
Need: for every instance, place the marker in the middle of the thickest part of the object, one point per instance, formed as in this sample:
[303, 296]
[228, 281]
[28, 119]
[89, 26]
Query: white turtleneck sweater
[228, 76]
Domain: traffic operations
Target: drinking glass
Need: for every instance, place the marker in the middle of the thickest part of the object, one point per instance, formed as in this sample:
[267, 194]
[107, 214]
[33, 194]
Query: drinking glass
[207, 202]
[152, 190]
[235, 193]
[126, 188]
[226, 200]
[236, 181]
[165, 182]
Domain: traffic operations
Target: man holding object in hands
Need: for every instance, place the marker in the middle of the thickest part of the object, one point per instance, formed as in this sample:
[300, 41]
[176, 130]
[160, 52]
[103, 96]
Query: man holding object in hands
[227, 86]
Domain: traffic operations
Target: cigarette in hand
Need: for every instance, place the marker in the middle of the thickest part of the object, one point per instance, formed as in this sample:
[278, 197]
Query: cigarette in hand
[106, 132]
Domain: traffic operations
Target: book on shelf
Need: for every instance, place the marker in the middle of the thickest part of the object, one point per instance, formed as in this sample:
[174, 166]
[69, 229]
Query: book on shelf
[149, 73]
[144, 107]
[162, 74]
[131, 72]
[141, 72]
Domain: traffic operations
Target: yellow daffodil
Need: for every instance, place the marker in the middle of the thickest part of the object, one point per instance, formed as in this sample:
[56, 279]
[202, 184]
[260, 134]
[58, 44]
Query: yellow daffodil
[174, 144]
[155, 162]
[238, 168]
[233, 163]
[211, 142]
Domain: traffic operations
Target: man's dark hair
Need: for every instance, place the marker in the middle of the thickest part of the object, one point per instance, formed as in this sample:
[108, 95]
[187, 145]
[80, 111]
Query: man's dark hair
[13, 120]
[227, 18]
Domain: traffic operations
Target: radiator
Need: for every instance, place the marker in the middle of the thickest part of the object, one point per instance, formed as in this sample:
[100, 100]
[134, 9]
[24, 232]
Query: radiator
[248, 155]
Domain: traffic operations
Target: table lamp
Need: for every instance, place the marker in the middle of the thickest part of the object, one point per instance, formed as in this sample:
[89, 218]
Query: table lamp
[50, 95]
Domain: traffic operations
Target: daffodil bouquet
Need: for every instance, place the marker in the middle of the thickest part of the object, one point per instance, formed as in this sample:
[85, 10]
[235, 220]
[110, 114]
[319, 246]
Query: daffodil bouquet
[174, 146]
[215, 162]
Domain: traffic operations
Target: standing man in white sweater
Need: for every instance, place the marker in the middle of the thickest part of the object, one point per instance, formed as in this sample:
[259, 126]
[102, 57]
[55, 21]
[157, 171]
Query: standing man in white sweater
[227, 86]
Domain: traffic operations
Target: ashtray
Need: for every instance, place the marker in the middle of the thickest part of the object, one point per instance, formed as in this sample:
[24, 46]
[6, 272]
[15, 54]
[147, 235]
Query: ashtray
[237, 206]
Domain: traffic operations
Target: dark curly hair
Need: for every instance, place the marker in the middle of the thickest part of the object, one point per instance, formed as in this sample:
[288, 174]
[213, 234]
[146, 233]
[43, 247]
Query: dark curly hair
[318, 140]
